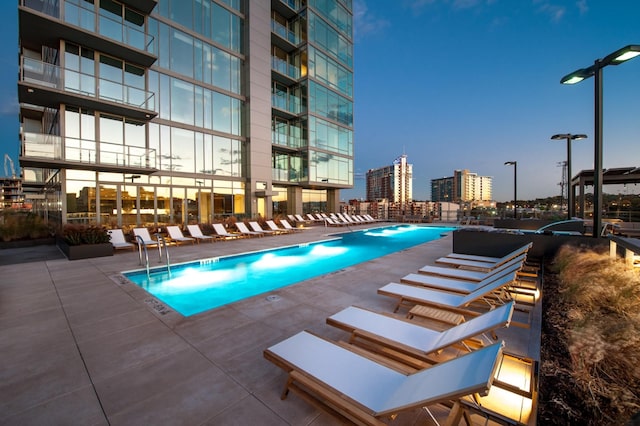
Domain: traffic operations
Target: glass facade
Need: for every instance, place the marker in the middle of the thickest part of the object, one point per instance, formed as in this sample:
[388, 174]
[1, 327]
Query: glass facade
[158, 134]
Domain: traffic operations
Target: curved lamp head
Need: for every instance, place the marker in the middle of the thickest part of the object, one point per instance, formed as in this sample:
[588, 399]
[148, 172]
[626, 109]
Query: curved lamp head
[615, 58]
[510, 163]
[566, 136]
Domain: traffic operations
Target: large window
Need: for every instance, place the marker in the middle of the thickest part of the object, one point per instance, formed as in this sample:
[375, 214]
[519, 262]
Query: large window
[330, 168]
[330, 137]
[79, 71]
[330, 105]
[188, 151]
[187, 103]
[207, 18]
[330, 72]
[335, 13]
[330, 40]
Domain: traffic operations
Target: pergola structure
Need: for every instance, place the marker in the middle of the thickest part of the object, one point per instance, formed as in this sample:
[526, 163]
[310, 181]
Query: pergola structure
[613, 176]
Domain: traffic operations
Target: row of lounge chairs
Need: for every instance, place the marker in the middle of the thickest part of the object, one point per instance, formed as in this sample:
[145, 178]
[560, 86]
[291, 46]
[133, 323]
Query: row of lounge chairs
[333, 219]
[175, 234]
[392, 364]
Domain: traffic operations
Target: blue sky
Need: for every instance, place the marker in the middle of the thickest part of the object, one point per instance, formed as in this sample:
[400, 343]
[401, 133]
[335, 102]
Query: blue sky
[465, 84]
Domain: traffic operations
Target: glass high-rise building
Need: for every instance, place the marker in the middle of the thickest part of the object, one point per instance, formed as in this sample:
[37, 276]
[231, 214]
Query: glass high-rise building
[394, 182]
[141, 112]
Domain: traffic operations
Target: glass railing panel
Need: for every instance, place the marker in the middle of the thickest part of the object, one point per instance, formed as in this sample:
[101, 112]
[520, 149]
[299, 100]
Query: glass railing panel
[73, 81]
[52, 147]
[285, 32]
[38, 145]
[288, 141]
[293, 4]
[83, 17]
[79, 16]
[283, 67]
[48, 7]
[292, 104]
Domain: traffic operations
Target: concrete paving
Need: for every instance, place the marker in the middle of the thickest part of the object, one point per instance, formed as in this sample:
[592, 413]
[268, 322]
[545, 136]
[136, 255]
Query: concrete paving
[81, 346]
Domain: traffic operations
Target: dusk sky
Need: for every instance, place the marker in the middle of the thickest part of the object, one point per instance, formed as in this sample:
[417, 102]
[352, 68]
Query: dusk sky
[466, 84]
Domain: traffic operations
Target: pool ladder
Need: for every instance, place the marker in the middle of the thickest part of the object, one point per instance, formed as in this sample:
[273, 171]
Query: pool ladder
[162, 243]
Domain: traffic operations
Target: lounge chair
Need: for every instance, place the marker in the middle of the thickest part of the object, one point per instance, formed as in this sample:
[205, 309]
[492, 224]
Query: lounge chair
[276, 229]
[312, 218]
[331, 222]
[176, 235]
[146, 238]
[414, 295]
[365, 392]
[457, 285]
[301, 219]
[412, 339]
[196, 232]
[464, 274]
[483, 265]
[116, 237]
[255, 227]
[288, 226]
[242, 228]
[221, 232]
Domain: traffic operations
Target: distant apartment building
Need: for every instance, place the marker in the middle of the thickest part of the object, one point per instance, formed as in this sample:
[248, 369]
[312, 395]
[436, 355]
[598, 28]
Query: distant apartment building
[178, 111]
[393, 183]
[11, 196]
[463, 186]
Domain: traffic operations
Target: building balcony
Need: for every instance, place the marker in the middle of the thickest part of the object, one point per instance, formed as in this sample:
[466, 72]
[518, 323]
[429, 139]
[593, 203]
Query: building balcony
[287, 106]
[284, 175]
[287, 8]
[144, 6]
[283, 37]
[284, 72]
[286, 141]
[45, 22]
[51, 151]
[49, 85]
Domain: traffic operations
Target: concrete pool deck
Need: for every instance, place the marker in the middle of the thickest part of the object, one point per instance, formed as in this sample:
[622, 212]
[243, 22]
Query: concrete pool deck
[80, 346]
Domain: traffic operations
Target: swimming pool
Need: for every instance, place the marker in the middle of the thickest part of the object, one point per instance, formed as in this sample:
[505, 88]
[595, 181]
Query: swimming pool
[194, 287]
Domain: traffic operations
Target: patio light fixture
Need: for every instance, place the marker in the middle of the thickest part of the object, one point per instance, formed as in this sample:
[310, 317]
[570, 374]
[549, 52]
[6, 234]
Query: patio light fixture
[595, 70]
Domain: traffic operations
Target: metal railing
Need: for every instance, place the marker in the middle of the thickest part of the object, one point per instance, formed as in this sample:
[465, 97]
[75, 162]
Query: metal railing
[56, 77]
[52, 147]
[285, 33]
[286, 102]
[80, 16]
[162, 240]
[285, 68]
[287, 140]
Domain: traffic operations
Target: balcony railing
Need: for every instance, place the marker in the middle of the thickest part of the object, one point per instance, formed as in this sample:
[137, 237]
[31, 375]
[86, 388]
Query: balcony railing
[55, 77]
[285, 32]
[292, 104]
[284, 175]
[293, 4]
[73, 150]
[288, 141]
[285, 68]
[76, 14]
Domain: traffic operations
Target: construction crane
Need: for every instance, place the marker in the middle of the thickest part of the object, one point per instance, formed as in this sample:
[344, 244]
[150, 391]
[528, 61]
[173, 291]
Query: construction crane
[10, 161]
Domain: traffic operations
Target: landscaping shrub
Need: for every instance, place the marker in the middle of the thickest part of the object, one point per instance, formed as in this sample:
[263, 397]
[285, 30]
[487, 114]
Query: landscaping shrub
[590, 372]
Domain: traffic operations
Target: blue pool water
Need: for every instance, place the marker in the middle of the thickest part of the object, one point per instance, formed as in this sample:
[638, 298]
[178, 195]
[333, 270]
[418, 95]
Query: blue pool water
[198, 286]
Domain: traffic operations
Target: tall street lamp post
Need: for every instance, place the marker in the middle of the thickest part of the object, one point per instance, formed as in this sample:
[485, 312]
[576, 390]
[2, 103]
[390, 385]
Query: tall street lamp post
[595, 71]
[515, 186]
[569, 137]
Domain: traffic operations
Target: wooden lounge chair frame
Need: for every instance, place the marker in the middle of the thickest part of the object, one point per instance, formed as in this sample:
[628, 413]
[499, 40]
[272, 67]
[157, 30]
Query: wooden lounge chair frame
[413, 339]
[117, 239]
[176, 235]
[367, 392]
[196, 232]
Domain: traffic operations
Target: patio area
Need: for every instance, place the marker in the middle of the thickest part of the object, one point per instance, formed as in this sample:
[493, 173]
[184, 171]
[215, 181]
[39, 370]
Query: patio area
[82, 346]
